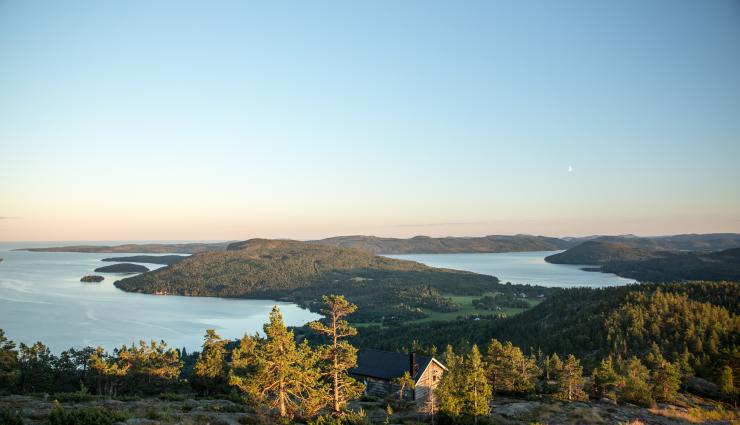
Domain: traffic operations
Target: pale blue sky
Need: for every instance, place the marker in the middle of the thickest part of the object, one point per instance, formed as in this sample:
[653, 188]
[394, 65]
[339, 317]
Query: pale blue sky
[228, 120]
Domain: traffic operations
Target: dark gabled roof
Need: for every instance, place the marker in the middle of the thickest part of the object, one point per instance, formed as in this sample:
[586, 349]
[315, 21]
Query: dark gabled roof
[387, 364]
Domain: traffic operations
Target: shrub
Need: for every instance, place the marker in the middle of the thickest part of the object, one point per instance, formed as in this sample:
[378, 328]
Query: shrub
[347, 418]
[10, 417]
[87, 416]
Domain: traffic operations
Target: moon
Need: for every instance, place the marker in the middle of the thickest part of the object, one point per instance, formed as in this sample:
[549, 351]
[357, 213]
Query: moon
[570, 168]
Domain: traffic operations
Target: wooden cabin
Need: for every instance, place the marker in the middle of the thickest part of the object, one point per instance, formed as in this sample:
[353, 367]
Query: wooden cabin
[377, 370]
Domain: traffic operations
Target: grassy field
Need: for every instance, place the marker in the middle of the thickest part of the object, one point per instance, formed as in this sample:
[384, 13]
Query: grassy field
[466, 309]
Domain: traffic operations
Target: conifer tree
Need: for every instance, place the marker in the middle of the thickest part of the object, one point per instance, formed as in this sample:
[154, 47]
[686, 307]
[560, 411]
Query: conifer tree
[107, 371]
[509, 369]
[404, 381]
[477, 389]
[726, 382]
[8, 362]
[605, 380]
[209, 371]
[636, 386]
[340, 356]
[285, 378]
[36, 367]
[666, 377]
[556, 365]
[570, 381]
[451, 389]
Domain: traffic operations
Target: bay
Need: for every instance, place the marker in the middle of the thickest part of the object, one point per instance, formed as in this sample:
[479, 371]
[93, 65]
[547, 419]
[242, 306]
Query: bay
[42, 299]
[520, 268]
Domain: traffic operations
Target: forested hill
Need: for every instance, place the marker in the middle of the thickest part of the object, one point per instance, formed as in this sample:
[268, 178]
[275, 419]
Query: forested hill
[695, 322]
[301, 272]
[688, 242]
[656, 266]
[429, 245]
[599, 252]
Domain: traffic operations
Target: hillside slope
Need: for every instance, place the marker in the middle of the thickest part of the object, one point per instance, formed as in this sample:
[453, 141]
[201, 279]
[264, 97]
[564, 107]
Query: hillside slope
[696, 317]
[596, 252]
[429, 245]
[383, 288]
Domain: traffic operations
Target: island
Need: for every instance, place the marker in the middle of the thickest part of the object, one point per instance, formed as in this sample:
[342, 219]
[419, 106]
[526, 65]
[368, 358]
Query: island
[122, 268]
[92, 278]
[149, 259]
[386, 290]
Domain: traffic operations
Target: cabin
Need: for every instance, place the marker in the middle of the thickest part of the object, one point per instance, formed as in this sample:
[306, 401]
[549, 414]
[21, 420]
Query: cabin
[378, 369]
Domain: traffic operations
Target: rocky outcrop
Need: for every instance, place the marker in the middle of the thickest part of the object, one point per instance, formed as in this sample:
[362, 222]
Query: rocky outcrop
[92, 278]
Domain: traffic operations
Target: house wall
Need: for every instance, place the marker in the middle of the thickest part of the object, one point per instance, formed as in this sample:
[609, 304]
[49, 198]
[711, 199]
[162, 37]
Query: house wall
[426, 401]
[384, 389]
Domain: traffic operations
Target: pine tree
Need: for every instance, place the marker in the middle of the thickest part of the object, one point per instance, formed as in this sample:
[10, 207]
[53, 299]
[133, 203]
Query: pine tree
[636, 387]
[107, 371]
[509, 369]
[404, 381]
[605, 380]
[36, 367]
[726, 382]
[666, 378]
[285, 378]
[9, 371]
[477, 390]
[570, 381]
[451, 388]
[556, 365]
[340, 356]
[209, 372]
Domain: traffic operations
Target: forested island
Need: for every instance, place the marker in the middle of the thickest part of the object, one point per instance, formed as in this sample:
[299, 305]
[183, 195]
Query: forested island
[149, 259]
[386, 290]
[92, 278]
[123, 268]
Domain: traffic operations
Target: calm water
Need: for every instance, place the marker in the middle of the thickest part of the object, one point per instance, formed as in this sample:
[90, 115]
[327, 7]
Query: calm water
[520, 267]
[42, 298]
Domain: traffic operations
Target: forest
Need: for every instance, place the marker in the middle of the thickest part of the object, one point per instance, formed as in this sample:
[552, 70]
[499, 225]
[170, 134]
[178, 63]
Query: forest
[650, 342]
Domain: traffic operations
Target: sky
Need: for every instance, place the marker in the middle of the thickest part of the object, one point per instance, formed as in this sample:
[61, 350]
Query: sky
[225, 120]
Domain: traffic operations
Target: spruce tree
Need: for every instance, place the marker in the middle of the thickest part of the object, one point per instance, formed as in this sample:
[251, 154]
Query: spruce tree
[570, 381]
[477, 389]
[339, 356]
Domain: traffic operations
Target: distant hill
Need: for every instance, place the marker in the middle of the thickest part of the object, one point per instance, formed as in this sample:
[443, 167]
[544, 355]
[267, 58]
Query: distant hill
[149, 259]
[594, 252]
[384, 288]
[652, 266]
[152, 248]
[429, 245]
[680, 266]
[687, 242]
